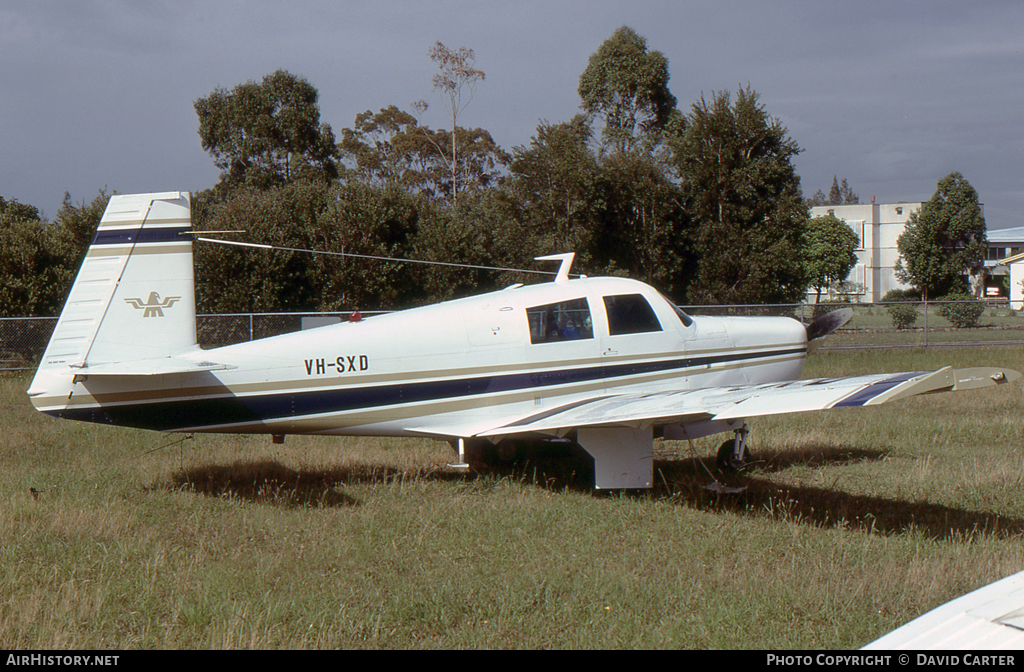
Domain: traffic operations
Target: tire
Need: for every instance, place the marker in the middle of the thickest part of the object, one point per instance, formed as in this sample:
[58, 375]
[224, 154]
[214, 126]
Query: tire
[727, 461]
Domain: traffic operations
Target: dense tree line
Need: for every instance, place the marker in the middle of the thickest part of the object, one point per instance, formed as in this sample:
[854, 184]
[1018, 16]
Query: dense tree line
[704, 204]
[39, 258]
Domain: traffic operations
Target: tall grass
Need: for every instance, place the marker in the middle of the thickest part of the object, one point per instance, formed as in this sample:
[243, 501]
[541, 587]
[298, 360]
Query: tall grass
[852, 523]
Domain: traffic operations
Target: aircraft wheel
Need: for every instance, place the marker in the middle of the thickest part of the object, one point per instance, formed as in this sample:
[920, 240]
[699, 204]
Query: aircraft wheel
[508, 451]
[726, 459]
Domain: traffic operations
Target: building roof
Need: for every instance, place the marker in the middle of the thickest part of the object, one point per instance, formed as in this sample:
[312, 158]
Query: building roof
[1011, 235]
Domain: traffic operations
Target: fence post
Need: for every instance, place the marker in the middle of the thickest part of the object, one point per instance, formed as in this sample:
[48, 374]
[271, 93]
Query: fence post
[926, 323]
[250, 326]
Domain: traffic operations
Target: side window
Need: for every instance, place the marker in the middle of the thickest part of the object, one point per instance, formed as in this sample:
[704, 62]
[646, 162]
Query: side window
[565, 321]
[630, 314]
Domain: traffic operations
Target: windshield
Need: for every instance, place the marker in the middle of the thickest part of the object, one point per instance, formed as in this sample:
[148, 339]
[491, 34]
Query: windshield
[683, 317]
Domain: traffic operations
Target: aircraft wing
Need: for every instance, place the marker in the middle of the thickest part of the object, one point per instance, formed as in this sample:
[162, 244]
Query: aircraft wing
[991, 617]
[744, 401]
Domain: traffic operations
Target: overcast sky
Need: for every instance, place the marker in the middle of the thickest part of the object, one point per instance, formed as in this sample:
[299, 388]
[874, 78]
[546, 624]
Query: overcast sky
[890, 95]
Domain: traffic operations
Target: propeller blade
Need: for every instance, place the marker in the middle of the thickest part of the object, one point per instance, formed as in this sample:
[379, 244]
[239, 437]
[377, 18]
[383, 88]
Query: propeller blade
[829, 322]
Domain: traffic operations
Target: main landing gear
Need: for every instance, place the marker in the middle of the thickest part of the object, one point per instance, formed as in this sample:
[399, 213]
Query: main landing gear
[734, 454]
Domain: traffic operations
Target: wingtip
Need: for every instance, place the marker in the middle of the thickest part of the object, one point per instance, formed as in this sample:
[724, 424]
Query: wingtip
[974, 378]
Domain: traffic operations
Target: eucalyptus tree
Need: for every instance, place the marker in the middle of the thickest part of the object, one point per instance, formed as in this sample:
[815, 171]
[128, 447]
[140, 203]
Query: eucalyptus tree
[29, 265]
[456, 83]
[382, 148]
[391, 149]
[266, 133]
[556, 181]
[638, 222]
[240, 280]
[642, 223]
[370, 221]
[626, 86]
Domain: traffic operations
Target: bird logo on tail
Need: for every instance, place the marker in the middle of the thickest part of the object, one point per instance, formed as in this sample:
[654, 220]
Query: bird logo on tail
[154, 306]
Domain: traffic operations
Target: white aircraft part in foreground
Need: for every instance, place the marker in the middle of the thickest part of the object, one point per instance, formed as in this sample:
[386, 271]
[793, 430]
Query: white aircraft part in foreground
[607, 362]
[989, 618]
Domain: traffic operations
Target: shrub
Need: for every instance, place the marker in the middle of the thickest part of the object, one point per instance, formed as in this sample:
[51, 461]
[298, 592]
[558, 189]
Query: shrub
[964, 312]
[903, 315]
[894, 295]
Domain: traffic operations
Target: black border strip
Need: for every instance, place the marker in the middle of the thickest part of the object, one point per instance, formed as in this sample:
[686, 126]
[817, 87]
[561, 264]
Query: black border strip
[145, 234]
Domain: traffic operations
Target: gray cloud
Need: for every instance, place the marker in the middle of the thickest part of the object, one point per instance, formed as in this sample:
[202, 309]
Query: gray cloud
[891, 96]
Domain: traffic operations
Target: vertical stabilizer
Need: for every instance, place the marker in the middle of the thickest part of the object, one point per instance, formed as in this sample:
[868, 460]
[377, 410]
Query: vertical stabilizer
[134, 296]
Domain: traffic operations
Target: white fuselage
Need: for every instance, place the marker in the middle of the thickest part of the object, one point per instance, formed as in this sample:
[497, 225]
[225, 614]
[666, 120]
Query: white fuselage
[464, 363]
[606, 363]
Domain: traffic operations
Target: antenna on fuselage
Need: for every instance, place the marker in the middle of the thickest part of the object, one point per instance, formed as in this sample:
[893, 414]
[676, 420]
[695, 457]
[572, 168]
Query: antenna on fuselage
[261, 246]
[563, 270]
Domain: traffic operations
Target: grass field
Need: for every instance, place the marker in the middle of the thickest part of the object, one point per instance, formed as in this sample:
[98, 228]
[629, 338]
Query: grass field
[854, 522]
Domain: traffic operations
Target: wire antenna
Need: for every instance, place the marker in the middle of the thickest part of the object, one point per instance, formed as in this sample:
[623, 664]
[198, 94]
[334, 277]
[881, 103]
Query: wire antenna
[261, 246]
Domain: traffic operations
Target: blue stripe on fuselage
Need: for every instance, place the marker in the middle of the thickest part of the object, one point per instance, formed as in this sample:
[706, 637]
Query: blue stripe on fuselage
[220, 411]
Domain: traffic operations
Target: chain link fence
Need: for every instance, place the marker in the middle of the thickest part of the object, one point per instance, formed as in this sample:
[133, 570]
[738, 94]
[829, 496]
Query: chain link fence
[903, 324]
[874, 325]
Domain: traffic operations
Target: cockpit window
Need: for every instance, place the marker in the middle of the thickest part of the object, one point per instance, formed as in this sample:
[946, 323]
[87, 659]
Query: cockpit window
[564, 321]
[630, 314]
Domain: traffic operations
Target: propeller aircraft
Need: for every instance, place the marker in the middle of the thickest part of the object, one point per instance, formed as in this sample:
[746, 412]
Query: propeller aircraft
[607, 363]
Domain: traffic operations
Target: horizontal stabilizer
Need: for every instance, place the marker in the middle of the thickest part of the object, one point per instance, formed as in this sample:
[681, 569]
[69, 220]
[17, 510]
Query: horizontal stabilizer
[152, 367]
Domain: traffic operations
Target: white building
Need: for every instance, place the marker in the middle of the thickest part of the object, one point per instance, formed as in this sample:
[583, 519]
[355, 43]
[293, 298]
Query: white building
[1004, 243]
[1005, 259]
[877, 226]
[1014, 266]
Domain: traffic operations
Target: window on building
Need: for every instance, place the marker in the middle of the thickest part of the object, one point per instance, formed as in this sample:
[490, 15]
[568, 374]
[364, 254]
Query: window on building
[857, 226]
[630, 314]
[563, 321]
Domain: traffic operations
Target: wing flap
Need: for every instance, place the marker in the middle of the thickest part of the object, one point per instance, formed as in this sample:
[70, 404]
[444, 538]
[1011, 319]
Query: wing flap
[623, 410]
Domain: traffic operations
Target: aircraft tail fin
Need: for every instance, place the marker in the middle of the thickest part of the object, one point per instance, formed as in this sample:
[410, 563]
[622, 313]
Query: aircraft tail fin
[134, 296]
